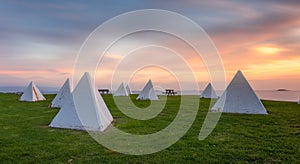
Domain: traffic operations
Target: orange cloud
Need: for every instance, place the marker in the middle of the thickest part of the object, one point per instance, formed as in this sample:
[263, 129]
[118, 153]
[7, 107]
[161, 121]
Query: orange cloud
[269, 50]
[275, 69]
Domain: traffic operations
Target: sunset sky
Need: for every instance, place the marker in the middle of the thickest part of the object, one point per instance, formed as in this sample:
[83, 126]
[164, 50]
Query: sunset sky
[39, 40]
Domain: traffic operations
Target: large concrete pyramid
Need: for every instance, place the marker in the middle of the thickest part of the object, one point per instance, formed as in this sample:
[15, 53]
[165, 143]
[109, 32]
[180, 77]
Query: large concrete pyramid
[209, 92]
[121, 91]
[64, 92]
[88, 113]
[32, 93]
[148, 92]
[239, 97]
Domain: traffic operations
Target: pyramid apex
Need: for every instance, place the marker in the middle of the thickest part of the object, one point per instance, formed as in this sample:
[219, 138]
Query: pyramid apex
[149, 81]
[239, 72]
[86, 74]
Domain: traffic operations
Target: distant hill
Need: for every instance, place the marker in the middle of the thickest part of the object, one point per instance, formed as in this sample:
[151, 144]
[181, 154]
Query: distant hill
[282, 89]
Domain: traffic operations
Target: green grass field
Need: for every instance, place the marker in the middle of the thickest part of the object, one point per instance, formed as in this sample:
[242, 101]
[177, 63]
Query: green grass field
[26, 138]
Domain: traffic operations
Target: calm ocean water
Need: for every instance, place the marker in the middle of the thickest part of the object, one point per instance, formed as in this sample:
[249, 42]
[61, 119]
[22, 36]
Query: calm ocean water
[279, 95]
[262, 94]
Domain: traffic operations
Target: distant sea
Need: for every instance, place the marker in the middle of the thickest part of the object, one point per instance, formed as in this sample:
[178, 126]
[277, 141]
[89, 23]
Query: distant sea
[262, 94]
[13, 89]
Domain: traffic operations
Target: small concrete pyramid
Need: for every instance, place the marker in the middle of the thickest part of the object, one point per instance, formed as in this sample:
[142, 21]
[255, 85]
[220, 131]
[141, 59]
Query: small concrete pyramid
[64, 92]
[88, 113]
[148, 92]
[121, 91]
[209, 92]
[128, 89]
[32, 93]
[239, 97]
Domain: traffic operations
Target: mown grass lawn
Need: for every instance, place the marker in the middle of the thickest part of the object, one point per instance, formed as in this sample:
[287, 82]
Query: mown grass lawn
[26, 138]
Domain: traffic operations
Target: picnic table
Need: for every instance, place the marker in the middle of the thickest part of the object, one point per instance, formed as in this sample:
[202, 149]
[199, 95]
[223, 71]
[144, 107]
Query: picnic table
[170, 92]
[103, 91]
